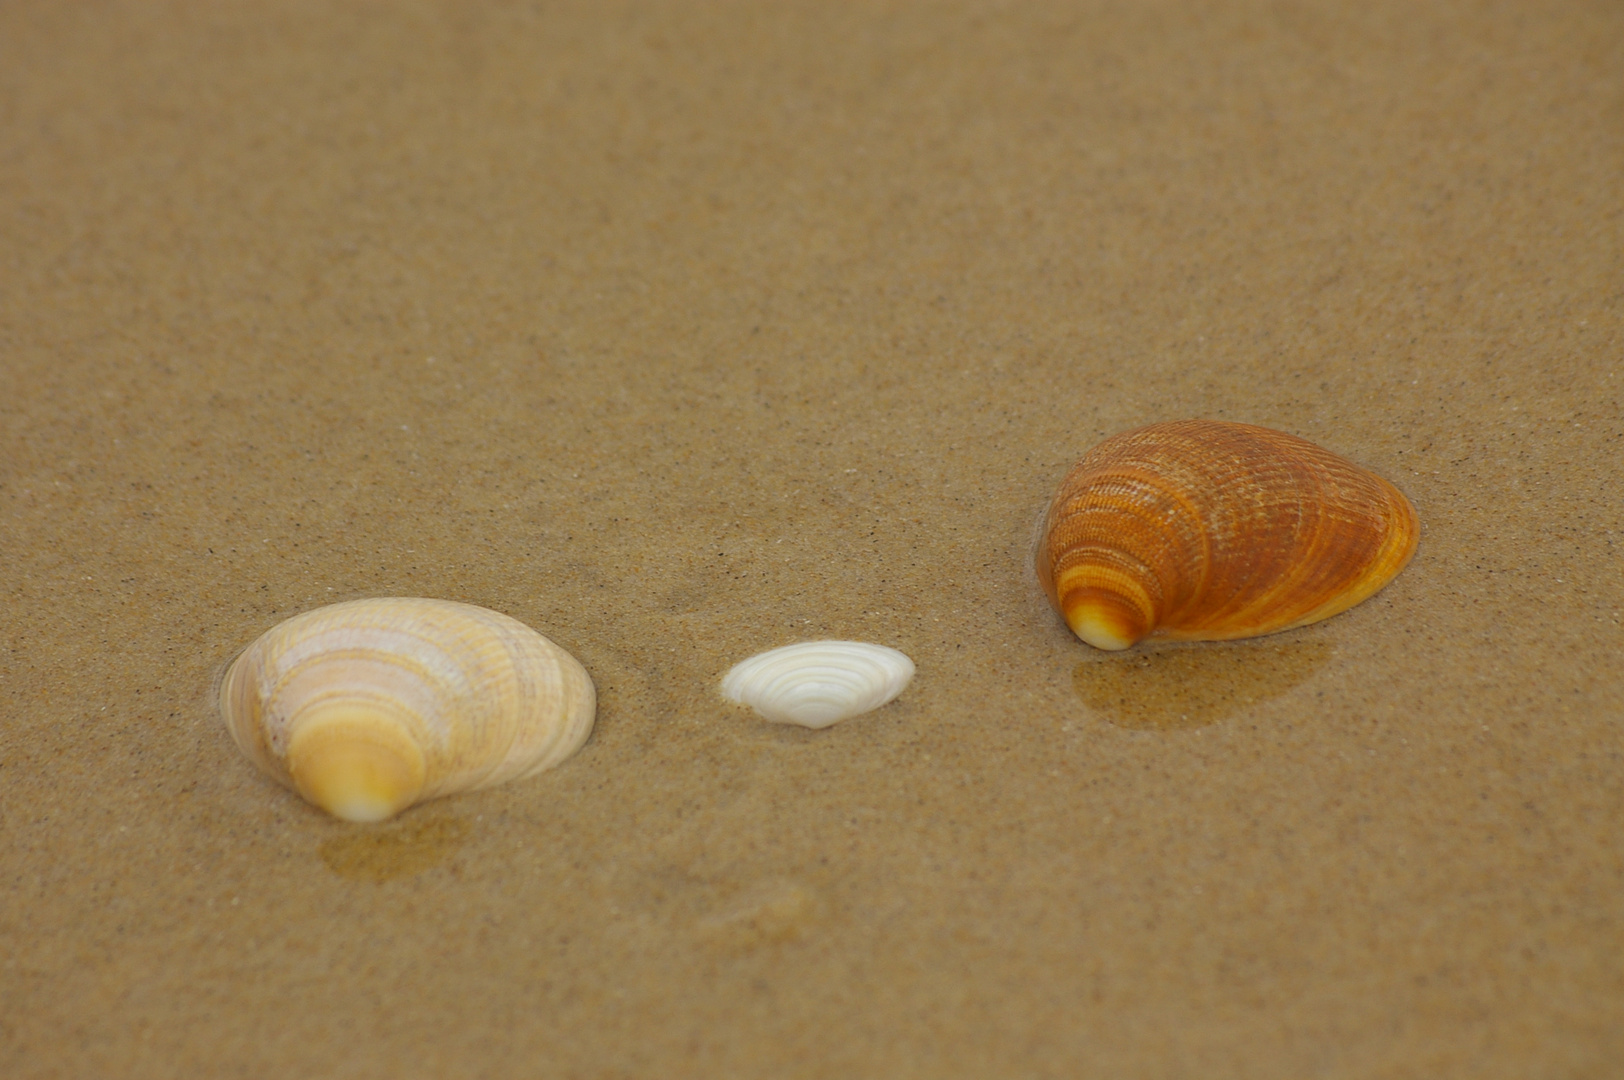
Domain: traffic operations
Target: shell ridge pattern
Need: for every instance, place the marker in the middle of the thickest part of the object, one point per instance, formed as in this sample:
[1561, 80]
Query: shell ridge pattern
[818, 683]
[318, 643]
[1253, 526]
[1335, 526]
[493, 762]
[565, 681]
[534, 686]
[1190, 527]
[1225, 530]
[473, 697]
[532, 696]
[1356, 516]
[1256, 526]
[539, 691]
[1182, 523]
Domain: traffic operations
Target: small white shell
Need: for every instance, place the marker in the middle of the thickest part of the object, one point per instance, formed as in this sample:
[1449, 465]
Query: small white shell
[369, 706]
[818, 683]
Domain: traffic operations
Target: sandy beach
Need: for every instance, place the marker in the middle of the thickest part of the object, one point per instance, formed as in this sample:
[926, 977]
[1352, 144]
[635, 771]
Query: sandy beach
[681, 331]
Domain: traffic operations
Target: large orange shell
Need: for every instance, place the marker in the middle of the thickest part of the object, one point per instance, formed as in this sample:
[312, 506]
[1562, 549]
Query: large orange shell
[1201, 530]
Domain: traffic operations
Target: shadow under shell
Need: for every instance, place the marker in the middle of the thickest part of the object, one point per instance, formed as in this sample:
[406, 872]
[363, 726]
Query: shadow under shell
[1175, 686]
[401, 848]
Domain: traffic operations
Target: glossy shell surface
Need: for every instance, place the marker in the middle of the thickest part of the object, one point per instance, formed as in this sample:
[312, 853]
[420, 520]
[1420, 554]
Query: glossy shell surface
[1204, 530]
[818, 683]
[369, 706]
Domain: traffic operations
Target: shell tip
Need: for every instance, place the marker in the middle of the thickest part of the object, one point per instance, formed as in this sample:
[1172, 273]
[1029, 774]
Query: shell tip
[361, 806]
[1096, 625]
[356, 765]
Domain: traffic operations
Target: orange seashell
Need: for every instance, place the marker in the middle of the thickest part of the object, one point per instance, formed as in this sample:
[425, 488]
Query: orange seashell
[1202, 530]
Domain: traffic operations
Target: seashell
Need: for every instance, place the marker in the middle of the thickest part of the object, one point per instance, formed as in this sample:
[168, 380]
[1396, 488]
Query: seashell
[367, 707]
[1202, 530]
[818, 683]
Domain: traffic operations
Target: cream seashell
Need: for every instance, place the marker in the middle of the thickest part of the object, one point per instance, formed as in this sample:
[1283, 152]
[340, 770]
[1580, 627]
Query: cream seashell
[818, 683]
[367, 707]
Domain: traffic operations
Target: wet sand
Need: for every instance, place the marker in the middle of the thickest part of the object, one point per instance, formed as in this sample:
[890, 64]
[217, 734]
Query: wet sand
[682, 331]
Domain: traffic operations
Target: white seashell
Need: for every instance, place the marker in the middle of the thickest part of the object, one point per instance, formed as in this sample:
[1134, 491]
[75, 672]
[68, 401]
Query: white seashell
[818, 683]
[367, 707]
